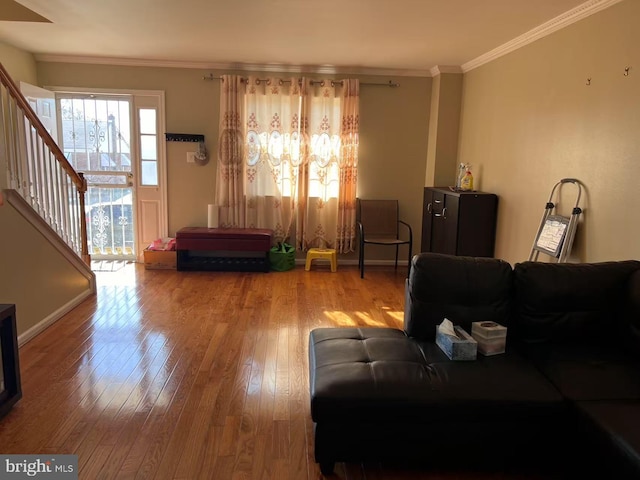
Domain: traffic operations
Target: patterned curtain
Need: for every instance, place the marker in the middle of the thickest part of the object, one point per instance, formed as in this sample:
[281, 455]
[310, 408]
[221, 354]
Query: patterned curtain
[316, 213]
[348, 164]
[272, 153]
[289, 157]
[230, 178]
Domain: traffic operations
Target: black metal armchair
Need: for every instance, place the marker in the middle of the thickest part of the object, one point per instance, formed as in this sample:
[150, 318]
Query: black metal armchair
[378, 224]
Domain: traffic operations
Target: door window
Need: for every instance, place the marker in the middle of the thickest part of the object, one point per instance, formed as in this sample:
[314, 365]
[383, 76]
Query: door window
[96, 138]
[148, 147]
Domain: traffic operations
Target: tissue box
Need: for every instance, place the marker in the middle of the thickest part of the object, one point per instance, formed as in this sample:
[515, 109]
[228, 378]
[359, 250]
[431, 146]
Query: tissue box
[491, 337]
[488, 330]
[160, 259]
[460, 347]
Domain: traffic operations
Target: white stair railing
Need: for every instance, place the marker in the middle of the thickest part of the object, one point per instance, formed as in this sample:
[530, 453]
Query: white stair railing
[37, 169]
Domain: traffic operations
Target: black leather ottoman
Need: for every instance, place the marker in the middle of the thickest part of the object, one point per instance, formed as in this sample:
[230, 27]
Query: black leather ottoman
[376, 392]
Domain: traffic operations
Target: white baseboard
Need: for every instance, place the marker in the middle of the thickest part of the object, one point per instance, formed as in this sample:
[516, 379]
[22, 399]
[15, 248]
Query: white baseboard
[53, 318]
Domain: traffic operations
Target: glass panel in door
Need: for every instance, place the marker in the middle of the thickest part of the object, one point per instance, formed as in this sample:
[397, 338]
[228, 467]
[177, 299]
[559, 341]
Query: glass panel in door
[96, 139]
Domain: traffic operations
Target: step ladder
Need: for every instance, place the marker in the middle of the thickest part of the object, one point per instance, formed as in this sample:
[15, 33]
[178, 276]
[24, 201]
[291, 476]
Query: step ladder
[556, 232]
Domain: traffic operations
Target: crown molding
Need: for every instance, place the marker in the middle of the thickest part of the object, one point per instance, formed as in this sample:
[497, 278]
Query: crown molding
[243, 67]
[438, 69]
[561, 21]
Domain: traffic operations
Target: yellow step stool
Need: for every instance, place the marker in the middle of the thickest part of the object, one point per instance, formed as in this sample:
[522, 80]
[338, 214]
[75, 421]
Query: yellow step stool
[323, 253]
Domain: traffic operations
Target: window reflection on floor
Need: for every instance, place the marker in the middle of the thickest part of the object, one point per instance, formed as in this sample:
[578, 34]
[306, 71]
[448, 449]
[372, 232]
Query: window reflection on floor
[126, 357]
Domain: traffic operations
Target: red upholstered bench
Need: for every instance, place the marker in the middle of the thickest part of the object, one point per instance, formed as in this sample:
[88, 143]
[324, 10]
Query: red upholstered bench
[223, 249]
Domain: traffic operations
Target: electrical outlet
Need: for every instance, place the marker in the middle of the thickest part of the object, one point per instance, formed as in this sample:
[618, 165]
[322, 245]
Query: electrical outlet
[191, 157]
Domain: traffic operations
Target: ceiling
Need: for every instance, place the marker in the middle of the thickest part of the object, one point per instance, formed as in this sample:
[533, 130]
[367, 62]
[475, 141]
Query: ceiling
[401, 36]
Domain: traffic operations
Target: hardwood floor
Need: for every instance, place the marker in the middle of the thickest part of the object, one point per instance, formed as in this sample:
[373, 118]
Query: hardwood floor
[190, 375]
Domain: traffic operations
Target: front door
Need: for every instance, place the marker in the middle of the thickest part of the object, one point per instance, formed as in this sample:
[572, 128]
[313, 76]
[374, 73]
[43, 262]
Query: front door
[96, 137]
[117, 142]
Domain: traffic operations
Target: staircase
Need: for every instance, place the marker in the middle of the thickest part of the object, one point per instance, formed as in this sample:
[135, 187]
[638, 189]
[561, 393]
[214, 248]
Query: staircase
[38, 182]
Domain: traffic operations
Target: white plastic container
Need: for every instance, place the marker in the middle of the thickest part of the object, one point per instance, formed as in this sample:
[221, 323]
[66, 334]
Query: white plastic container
[492, 346]
[488, 329]
[491, 337]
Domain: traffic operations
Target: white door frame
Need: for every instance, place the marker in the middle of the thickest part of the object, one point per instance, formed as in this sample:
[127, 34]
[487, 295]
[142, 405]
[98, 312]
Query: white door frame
[162, 147]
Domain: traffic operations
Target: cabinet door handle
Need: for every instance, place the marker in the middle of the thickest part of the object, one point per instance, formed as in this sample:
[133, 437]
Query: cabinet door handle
[443, 214]
[438, 201]
[429, 207]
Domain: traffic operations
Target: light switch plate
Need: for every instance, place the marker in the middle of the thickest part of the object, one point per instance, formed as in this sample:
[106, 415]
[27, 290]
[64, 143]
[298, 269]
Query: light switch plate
[191, 157]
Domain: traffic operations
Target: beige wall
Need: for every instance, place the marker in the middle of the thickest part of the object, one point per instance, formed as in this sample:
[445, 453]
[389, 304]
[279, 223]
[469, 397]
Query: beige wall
[33, 274]
[529, 119]
[444, 128]
[393, 133]
[20, 64]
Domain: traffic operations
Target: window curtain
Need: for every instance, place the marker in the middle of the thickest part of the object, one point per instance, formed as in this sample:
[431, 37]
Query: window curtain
[230, 178]
[272, 108]
[348, 166]
[325, 208]
[288, 159]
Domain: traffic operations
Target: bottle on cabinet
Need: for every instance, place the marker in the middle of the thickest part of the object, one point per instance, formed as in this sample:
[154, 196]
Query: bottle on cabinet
[466, 183]
[462, 168]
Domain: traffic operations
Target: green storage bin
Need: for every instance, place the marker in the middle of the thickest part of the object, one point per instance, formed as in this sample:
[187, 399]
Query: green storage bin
[282, 257]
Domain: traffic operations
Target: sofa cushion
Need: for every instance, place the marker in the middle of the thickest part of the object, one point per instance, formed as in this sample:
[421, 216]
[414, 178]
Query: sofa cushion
[572, 321]
[462, 289]
[349, 366]
[587, 372]
[570, 303]
[615, 431]
[379, 374]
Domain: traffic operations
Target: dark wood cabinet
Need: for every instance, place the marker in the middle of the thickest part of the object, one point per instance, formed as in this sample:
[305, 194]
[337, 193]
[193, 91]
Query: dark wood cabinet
[459, 223]
[10, 387]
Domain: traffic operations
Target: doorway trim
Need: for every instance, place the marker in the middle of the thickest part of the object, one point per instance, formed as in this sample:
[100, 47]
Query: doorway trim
[162, 146]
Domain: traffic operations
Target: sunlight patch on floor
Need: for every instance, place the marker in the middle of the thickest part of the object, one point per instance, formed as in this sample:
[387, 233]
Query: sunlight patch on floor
[130, 368]
[361, 318]
[124, 276]
[341, 319]
[398, 317]
[369, 321]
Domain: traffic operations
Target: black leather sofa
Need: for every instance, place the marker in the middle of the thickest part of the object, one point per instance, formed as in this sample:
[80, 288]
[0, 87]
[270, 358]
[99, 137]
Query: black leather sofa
[565, 396]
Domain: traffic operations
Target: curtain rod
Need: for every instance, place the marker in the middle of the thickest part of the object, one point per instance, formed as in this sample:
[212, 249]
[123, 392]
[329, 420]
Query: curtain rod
[315, 82]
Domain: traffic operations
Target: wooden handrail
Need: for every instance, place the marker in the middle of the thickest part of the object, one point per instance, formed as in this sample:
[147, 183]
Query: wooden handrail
[78, 179]
[22, 102]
